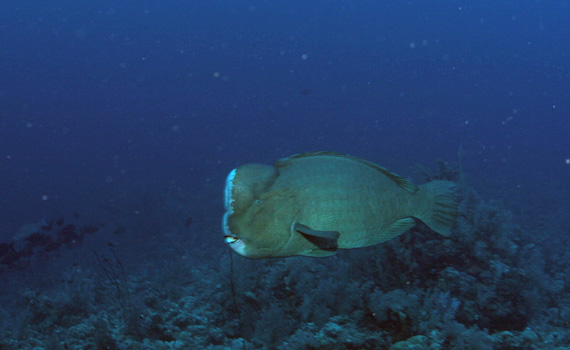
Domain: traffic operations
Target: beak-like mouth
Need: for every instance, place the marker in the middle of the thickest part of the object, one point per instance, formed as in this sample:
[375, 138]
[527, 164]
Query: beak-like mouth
[230, 239]
[238, 245]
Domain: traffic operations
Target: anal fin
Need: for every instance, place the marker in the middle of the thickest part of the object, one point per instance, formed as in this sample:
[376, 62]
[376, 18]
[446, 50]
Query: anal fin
[397, 228]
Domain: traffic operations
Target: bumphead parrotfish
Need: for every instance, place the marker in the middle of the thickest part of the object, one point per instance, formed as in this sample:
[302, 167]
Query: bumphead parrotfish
[314, 204]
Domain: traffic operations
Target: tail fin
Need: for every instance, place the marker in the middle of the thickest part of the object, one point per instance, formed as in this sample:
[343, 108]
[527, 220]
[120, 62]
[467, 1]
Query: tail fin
[442, 212]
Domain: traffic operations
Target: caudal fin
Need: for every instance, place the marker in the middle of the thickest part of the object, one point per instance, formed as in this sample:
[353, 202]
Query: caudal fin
[443, 207]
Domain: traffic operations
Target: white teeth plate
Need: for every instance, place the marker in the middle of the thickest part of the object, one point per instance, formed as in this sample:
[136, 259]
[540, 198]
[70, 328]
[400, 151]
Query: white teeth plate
[230, 239]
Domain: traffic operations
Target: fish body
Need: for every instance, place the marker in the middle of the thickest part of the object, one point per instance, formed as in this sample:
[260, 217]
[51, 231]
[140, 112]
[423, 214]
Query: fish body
[313, 204]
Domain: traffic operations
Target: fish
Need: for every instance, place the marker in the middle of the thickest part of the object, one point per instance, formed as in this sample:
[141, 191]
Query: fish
[317, 203]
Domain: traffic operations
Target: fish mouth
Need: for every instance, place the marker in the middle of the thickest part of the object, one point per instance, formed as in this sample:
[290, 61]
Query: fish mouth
[231, 239]
[238, 245]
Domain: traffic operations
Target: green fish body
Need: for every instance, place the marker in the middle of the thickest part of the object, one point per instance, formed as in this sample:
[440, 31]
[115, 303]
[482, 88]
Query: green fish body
[313, 204]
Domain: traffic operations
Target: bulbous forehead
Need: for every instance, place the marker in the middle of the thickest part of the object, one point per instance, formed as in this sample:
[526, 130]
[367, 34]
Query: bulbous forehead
[246, 183]
[228, 197]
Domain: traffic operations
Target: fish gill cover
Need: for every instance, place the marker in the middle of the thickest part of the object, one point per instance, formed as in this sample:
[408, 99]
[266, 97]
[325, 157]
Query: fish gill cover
[121, 120]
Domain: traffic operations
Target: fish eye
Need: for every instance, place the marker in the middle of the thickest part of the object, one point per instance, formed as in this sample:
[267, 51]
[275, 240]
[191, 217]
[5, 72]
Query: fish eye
[257, 201]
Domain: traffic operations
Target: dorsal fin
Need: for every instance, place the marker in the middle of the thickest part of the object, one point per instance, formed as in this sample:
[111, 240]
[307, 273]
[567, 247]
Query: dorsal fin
[400, 181]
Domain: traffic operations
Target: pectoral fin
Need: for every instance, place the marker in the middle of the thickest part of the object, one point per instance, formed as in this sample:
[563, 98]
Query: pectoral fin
[325, 240]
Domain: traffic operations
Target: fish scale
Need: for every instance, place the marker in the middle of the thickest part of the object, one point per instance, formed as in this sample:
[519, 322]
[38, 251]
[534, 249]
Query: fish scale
[314, 204]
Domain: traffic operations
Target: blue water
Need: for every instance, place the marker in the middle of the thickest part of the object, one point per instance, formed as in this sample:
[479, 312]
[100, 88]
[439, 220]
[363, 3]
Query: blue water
[96, 89]
[101, 98]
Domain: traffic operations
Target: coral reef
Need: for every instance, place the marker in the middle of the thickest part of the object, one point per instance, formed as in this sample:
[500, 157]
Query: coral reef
[489, 286]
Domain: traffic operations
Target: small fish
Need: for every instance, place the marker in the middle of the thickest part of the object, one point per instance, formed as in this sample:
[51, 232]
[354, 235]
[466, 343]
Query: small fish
[314, 204]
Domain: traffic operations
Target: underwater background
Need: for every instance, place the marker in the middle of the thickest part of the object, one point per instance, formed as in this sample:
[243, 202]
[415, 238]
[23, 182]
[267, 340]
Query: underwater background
[119, 121]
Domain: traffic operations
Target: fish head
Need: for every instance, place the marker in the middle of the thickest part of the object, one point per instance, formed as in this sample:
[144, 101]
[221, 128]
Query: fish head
[258, 217]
